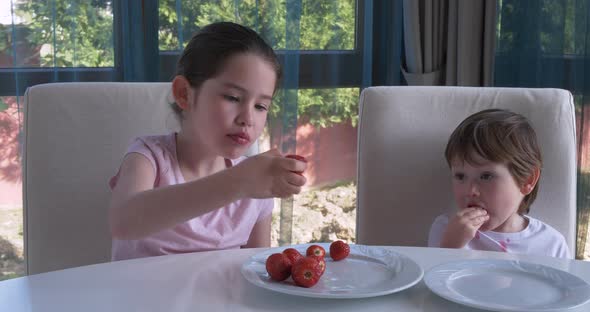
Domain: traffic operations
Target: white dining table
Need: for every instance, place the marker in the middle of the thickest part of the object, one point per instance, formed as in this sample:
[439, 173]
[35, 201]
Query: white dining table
[212, 281]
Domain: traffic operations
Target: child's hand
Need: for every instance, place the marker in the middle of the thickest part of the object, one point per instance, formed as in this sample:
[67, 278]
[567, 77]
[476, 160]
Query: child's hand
[271, 175]
[463, 226]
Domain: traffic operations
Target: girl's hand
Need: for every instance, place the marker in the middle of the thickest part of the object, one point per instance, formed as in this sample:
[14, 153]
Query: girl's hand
[463, 226]
[271, 175]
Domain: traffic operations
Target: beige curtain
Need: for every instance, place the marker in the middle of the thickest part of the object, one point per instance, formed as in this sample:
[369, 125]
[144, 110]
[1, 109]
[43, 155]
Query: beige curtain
[449, 42]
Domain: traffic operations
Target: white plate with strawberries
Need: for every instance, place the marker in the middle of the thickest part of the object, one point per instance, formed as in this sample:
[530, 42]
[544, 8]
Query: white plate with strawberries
[364, 271]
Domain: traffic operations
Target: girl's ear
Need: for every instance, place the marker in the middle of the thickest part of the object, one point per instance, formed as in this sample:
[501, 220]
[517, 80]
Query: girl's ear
[530, 183]
[181, 90]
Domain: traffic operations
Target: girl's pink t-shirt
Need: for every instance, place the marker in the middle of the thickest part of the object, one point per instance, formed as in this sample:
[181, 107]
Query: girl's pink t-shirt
[225, 228]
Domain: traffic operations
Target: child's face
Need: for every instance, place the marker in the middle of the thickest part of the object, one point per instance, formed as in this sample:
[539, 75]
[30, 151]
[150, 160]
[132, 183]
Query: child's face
[489, 186]
[229, 111]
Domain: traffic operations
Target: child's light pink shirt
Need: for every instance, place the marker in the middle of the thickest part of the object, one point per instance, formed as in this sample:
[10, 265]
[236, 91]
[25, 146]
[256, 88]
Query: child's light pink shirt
[225, 228]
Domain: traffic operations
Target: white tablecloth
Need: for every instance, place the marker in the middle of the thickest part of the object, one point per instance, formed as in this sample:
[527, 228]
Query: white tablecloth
[212, 281]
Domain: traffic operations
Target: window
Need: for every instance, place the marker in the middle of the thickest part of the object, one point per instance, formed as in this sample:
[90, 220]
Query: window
[11, 221]
[47, 41]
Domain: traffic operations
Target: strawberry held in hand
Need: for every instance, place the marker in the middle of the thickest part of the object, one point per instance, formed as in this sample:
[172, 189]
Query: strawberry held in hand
[339, 250]
[306, 272]
[297, 157]
[315, 250]
[278, 266]
[292, 254]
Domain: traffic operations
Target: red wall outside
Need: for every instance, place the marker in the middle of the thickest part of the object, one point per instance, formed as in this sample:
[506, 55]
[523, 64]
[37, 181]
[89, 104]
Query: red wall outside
[331, 151]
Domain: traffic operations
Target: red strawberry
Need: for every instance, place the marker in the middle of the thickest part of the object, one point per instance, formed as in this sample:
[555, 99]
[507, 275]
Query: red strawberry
[297, 157]
[293, 254]
[339, 250]
[321, 264]
[315, 250]
[278, 266]
[306, 272]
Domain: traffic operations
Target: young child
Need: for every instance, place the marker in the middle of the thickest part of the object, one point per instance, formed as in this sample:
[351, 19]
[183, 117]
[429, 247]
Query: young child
[495, 163]
[193, 190]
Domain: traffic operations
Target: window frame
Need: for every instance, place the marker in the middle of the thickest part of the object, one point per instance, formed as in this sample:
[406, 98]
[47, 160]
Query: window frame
[316, 67]
[572, 64]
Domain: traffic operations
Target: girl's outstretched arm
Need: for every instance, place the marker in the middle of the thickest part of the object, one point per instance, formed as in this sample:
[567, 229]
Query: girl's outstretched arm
[138, 210]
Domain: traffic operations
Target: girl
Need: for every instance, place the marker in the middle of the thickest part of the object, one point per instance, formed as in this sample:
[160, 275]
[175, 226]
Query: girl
[496, 163]
[193, 190]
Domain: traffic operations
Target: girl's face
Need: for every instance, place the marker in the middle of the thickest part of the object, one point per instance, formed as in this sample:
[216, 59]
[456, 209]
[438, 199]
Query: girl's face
[228, 112]
[489, 186]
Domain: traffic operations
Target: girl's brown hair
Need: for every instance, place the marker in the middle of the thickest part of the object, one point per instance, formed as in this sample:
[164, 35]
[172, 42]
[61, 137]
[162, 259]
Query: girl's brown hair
[209, 49]
[499, 136]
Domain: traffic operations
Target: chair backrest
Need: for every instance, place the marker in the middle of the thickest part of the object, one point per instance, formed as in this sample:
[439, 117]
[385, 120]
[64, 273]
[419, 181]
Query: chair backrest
[403, 179]
[75, 137]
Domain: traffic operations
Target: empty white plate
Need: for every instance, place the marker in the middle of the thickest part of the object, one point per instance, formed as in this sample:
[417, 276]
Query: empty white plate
[367, 272]
[505, 285]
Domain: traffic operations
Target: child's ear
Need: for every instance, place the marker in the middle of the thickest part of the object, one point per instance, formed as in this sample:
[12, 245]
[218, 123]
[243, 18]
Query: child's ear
[181, 90]
[530, 183]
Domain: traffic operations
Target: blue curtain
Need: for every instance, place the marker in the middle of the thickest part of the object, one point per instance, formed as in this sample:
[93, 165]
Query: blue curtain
[136, 40]
[546, 44]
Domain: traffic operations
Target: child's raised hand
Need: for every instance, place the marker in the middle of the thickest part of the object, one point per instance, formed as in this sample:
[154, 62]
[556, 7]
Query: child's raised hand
[463, 226]
[270, 174]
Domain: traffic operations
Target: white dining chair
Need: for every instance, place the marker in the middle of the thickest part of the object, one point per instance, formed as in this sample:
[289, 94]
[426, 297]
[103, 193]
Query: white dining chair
[403, 178]
[75, 136]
